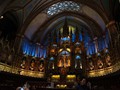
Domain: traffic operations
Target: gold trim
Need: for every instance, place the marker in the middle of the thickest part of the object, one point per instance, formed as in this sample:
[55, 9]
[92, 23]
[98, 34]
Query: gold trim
[19, 71]
[32, 73]
[105, 71]
[92, 73]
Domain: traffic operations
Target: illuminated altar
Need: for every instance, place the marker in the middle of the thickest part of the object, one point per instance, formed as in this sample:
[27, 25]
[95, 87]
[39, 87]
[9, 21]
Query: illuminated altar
[70, 52]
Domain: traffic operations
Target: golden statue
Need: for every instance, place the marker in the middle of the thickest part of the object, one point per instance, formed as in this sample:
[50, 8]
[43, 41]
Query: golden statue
[64, 61]
[108, 61]
[41, 67]
[32, 65]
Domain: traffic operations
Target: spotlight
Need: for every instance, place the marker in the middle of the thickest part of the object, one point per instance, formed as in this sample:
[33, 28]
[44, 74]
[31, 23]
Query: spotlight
[1, 17]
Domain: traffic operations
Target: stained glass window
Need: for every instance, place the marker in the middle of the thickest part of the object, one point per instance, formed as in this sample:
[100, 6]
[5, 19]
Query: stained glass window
[63, 6]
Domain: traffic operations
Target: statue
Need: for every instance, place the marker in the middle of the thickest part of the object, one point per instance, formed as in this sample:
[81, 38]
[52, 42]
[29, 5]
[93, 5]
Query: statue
[91, 65]
[32, 65]
[100, 64]
[60, 62]
[41, 67]
[64, 61]
[108, 61]
[23, 63]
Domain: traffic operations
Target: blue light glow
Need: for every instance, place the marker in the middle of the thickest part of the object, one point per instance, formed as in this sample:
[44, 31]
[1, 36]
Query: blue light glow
[51, 58]
[91, 49]
[90, 45]
[80, 37]
[33, 49]
[65, 39]
[78, 57]
[73, 37]
[107, 40]
[36, 50]
[101, 44]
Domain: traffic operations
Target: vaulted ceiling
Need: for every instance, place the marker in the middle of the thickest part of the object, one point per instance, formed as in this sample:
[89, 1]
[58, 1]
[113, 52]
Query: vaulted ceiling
[34, 22]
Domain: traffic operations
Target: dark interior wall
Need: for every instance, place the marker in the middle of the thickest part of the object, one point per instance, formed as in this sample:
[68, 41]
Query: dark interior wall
[8, 25]
[10, 81]
[108, 82]
[116, 10]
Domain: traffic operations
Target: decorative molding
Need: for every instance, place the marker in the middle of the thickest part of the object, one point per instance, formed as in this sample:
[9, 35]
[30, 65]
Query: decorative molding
[32, 73]
[62, 6]
[110, 23]
[19, 71]
[36, 74]
[104, 71]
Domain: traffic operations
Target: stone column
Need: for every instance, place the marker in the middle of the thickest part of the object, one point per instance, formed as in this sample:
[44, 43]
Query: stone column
[17, 47]
[113, 34]
[96, 51]
[84, 64]
[18, 42]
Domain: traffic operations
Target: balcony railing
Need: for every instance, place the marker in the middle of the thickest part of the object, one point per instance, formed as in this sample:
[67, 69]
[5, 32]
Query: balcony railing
[104, 71]
[7, 68]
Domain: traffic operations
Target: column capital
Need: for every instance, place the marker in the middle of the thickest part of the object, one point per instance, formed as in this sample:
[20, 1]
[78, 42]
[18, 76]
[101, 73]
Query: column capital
[110, 23]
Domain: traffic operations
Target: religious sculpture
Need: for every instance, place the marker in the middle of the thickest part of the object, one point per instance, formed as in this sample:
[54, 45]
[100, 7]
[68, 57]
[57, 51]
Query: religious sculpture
[107, 59]
[32, 64]
[41, 67]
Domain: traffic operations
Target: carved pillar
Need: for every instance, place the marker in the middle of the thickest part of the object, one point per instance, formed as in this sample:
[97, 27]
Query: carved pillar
[96, 51]
[72, 62]
[18, 42]
[113, 34]
[17, 47]
[84, 63]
